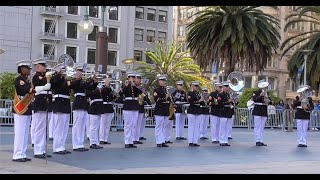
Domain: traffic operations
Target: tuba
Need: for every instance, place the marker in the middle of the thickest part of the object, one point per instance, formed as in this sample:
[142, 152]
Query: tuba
[67, 63]
[264, 85]
[172, 108]
[236, 80]
[305, 92]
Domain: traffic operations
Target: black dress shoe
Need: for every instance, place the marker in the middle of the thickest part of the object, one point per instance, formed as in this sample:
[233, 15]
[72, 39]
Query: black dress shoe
[84, 149]
[205, 137]
[106, 142]
[222, 144]
[226, 144]
[164, 145]
[191, 144]
[94, 146]
[304, 145]
[32, 145]
[27, 159]
[139, 142]
[40, 156]
[48, 155]
[300, 145]
[159, 145]
[215, 142]
[183, 138]
[196, 145]
[81, 149]
[19, 160]
[178, 138]
[142, 138]
[60, 152]
[263, 144]
[132, 146]
[127, 146]
[101, 142]
[67, 152]
[229, 137]
[258, 144]
[168, 142]
[202, 138]
[88, 139]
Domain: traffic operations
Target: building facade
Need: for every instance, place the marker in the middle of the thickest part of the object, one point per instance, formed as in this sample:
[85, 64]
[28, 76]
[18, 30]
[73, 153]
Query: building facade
[276, 72]
[52, 31]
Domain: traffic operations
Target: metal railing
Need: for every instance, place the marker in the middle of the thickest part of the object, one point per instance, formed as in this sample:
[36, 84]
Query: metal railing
[52, 36]
[280, 119]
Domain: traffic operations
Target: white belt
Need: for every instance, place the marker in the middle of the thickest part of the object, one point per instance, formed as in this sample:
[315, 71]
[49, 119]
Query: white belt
[107, 102]
[62, 96]
[299, 107]
[43, 92]
[96, 100]
[79, 94]
[259, 104]
[227, 106]
[131, 98]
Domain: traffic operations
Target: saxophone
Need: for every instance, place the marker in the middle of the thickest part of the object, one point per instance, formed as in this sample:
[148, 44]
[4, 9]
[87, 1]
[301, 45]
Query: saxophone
[141, 99]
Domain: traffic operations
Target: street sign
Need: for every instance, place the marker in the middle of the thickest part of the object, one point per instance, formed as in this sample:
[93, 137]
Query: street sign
[100, 68]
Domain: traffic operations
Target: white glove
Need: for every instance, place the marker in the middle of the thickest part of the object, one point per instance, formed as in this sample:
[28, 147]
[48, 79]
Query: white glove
[47, 86]
[39, 89]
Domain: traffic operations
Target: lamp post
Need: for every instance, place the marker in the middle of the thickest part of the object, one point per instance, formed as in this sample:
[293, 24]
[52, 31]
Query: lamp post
[306, 53]
[101, 39]
[128, 62]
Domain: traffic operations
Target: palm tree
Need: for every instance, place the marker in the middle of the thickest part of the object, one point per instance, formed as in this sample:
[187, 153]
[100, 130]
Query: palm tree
[310, 40]
[166, 60]
[233, 34]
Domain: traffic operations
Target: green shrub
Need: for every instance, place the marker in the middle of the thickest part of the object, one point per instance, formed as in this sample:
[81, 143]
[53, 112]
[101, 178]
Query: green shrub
[247, 94]
[7, 88]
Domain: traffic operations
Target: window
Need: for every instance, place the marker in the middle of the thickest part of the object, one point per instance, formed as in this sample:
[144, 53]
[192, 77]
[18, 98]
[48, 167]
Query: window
[46, 48]
[47, 24]
[94, 11]
[73, 10]
[92, 35]
[91, 56]
[248, 82]
[72, 31]
[181, 31]
[151, 15]
[113, 14]
[138, 34]
[138, 55]
[72, 51]
[162, 37]
[262, 77]
[271, 82]
[150, 36]
[183, 47]
[113, 35]
[139, 12]
[162, 16]
[148, 60]
[271, 63]
[112, 58]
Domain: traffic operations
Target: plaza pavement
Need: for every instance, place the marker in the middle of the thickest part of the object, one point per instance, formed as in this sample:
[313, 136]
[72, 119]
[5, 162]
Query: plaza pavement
[281, 156]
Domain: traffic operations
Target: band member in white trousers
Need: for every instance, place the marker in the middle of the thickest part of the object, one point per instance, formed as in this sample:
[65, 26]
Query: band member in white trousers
[130, 109]
[106, 118]
[204, 116]
[194, 111]
[42, 108]
[87, 126]
[215, 113]
[161, 111]
[229, 127]
[302, 117]
[22, 112]
[142, 127]
[259, 113]
[168, 127]
[225, 103]
[50, 130]
[179, 98]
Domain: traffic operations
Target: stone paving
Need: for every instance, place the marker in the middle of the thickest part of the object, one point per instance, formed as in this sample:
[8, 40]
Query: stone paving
[280, 156]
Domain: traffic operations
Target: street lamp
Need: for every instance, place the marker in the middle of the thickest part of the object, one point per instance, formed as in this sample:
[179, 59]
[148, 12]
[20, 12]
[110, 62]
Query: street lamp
[306, 53]
[85, 26]
[128, 62]
[2, 51]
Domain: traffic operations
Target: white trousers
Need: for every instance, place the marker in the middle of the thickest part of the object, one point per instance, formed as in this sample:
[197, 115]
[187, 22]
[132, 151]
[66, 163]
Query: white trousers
[193, 128]
[32, 128]
[215, 126]
[204, 122]
[21, 132]
[168, 126]
[259, 122]
[94, 128]
[78, 128]
[160, 128]
[142, 127]
[223, 136]
[302, 128]
[229, 126]
[40, 132]
[50, 116]
[180, 119]
[60, 131]
[87, 124]
[136, 130]
[130, 123]
[105, 124]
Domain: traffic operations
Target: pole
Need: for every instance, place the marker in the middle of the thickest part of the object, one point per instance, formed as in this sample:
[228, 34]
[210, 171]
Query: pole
[305, 70]
[102, 46]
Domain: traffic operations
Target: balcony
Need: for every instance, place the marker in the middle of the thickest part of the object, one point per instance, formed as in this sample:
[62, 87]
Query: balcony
[50, 36]
[51, 11]
[51, 57]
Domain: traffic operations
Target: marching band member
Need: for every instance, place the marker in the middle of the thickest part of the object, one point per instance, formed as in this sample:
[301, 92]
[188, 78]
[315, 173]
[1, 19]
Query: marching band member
[130, 109]
[215, 113]
[61, 110]
[260, 115]
[194, 111]
[95, 111]
[161, 111]
[42, 109]
[106, 118]
[179, 97]
[50, 127]
[225, 103]
[230, 123]
[22, 111]
[141, 121]
[302, 116]
[204, 117]
[80, 109]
